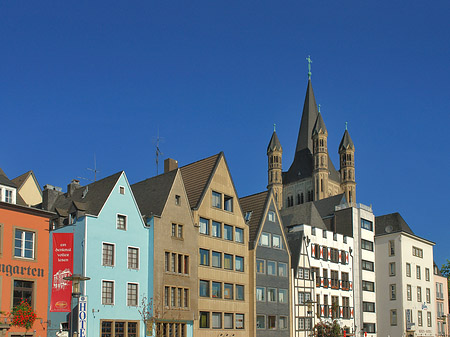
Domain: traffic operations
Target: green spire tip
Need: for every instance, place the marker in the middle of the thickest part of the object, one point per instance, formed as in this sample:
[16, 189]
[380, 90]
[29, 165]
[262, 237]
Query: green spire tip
[346, 125]
[309, 66]
[274, 127]
[319, 107]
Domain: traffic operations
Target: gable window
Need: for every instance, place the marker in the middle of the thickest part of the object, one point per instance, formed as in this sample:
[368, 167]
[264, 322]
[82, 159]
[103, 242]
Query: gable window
[23, 290]
[132, 294]
[204, 226]
[122, 189]
[107, 292]
[216, 200]
[177, 200]
[174, 230]
[238, 235]
[228, 232]
[228, 203]
[180, 231]
[276, 241]
[133, 258]
[264, 240]
[121, 222]
[24, 244]
[216, 229]
[271, 216]
[108, 255]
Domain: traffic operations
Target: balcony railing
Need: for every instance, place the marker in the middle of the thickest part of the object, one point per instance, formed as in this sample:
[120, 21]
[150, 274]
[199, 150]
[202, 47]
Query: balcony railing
[343, 312]
[333, 283]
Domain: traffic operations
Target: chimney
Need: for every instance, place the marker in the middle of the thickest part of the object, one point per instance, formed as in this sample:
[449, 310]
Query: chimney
[49, 196]
[170, 165]
[73, 186]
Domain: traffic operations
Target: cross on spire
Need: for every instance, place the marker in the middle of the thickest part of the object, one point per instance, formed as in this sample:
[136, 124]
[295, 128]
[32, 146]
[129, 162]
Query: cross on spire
[346, 125]
[319, 107]
[274, 127]
[309, 66]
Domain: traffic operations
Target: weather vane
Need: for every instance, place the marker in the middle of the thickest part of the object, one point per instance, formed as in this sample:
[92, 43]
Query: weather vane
[309, 66]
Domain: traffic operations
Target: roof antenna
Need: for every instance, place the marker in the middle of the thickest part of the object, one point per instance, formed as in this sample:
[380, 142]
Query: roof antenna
[158, 151]
[95, 168]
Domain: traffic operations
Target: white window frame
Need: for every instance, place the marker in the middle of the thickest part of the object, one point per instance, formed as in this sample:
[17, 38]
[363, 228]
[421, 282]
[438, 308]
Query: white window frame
[114, 254]
[271, 216]
[137, 294]
[22, 245]
[117, 221]
[138, 258]
[113, 292]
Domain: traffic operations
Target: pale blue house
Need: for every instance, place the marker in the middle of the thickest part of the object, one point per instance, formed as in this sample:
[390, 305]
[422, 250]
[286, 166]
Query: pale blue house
[113, 246]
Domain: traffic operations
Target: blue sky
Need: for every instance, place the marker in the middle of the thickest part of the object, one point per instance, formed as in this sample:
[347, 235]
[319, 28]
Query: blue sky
[79, 78]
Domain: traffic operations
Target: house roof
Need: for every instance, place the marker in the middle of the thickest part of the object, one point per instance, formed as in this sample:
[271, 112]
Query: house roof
[4, 180]
[346, 142]
[302, 214]
[256, 204]
[196, 177]
[21, 179]
[391, 223]
[274, 144]
[295, 241]
[326, 206]
[151, 194]
[93, 200]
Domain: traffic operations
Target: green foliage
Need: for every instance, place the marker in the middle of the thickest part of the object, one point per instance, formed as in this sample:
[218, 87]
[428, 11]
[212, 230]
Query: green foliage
[327, 329]
[445, 271]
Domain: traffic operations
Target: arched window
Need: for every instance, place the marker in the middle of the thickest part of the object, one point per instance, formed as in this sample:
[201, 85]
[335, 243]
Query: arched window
[298, 199]
[321, 185]
[302, 199]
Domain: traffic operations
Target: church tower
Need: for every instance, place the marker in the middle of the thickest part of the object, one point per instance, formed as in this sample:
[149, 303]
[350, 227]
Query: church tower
[347, 161]
[320, 159]
[274, 156]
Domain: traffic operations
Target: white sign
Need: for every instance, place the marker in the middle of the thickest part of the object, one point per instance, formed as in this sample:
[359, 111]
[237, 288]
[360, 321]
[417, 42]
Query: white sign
[82, 316]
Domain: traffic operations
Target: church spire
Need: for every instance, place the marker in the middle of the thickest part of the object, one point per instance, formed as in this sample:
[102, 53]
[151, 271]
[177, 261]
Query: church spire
[347, 167]
[309, 117]
[274, 172]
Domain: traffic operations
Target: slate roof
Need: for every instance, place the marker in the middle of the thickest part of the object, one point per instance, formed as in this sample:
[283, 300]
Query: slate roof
[346, 142]
[4, 180]
[96, 196]
[319, 125]
[295, 241]
[151, 194]
[21, 179]
[391, 223]
[256, 204]
[309, 117]
[274, 144]
[326, 206]
[196, 177]
[302, 214]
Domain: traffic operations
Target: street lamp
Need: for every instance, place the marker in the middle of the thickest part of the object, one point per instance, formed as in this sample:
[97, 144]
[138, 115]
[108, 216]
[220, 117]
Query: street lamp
[76, 293]
[309, 313]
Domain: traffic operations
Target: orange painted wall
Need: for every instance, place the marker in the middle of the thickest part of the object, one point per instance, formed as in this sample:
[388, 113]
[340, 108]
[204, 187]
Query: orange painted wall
[35, 270]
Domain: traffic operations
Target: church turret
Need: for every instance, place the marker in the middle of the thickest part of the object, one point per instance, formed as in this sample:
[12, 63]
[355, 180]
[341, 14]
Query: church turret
[347, 161]
[320, 158]
[274, 156]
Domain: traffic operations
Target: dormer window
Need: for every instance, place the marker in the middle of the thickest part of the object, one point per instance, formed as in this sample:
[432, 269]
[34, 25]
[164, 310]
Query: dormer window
[9, 196]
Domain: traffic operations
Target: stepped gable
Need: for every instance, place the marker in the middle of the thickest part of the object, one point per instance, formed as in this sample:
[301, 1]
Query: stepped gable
[196, 177]
[151, 194]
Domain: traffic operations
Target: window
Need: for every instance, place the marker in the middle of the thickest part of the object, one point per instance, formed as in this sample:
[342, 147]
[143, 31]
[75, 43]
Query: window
[325, 253]
[216, 289]
[282, 295]
[366, 224]
[368, 286]
[173, 264]
[271, 295]
[204, 226]
[228, 261]
[392, 269]
[108, 255]
[121, 189]
[276, 241]
[417, 252]
[166, 296]
[264, 240]
[23, 290]
[174, 230]
[167, 261]
[260, 322]
[204, 288]
[121, 222]
[228, 320]
[429, 319]
[418, 272]
[119, 328]
[260, 294]
[392, 292]
[428, 295]
[180, 231]
[392, 250]
[271, 322]
[216, 259]
[303, 297]
[204, 257]
[204, 319]
[216, 229]
[427, 274]
[216, 320]
[367, 265]
[216, 200]
[304, 323]
[172, 296]
[393, 317]
[228, 232]
[132, 294]
[260, 266]
[8, 196]
[239, 292]
[228, 203]
[408, 292]
[408, 269]
[239, 263]
[271, 268]
[419, 294]
[282, 269]
[271, 216]
[239, 321]
[186, 298]
[133, 258]
[368, 306]
[345, 281]
[24, 244]
[313, 231]
[324, 234]
[419, 318]
[283, 322]
[238, 235]
[186, 264]
[227, 291]
[108, 292]
[367, 245]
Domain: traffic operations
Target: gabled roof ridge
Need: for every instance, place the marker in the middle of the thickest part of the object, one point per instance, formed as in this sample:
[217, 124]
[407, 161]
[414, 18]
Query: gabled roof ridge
[21, 179]
[254, 194]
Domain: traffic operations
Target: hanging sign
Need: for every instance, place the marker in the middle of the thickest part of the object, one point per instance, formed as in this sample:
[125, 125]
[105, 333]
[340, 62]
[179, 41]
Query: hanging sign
[82, 316]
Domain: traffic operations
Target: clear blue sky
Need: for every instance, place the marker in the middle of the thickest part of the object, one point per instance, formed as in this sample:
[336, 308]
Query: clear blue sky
[84, 77]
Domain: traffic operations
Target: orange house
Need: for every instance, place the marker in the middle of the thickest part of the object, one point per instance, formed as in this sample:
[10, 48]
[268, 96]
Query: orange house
[24, 256]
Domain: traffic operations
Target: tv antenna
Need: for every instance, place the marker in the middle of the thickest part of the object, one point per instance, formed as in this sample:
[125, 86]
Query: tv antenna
[158, 151]
[93, 170]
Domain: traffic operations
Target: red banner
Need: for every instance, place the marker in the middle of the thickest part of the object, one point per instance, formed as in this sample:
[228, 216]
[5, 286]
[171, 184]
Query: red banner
[62, 267]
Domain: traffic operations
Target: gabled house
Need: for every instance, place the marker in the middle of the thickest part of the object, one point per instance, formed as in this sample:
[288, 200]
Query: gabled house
[28, 188]
[113, 246]
[163, 199]
[223, 268]
[269, 267]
